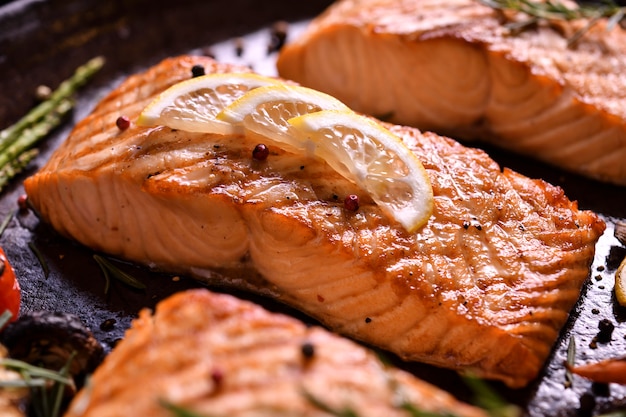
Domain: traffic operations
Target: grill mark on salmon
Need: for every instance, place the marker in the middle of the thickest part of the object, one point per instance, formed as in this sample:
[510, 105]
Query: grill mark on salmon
[220, 356]
[485, 285]
[453, 68]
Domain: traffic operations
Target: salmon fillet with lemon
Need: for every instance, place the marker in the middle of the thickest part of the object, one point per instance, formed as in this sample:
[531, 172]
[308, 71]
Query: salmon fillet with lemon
[481, 281]
[455, 67]
[214, 355]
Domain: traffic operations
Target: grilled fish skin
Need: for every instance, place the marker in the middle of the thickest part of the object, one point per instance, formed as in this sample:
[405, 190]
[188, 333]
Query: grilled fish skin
[484, 286]
[221, 356]
[454, 68]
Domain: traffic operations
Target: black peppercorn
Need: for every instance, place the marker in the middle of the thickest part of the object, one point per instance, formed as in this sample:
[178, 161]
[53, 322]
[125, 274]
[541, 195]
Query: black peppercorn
[239, 47]
[197, 71]
[107, 325]
[606, 328]
[278, 36]
[308, 350]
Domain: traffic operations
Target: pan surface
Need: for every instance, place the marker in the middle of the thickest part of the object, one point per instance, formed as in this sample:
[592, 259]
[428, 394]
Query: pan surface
[42, 42]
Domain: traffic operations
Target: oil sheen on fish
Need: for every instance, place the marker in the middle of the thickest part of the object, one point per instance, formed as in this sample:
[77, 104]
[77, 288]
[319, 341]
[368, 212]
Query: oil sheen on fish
[455, 68]
[216, 355]
[485, 285]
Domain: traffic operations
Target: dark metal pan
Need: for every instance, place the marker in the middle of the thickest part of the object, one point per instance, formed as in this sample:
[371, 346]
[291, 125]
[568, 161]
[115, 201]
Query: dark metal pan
[42, 42]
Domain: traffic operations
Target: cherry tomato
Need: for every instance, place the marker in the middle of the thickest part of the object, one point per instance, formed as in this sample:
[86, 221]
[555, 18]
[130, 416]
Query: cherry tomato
[9, 288]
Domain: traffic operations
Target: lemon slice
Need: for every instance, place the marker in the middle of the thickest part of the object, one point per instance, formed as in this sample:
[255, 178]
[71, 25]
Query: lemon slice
[620, 283]
[264, 111]
[374, 158]
[191, 105]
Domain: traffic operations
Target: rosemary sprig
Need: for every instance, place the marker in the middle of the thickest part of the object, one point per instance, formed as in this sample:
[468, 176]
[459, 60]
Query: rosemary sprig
[111, 271]
[618, 413]
[178, 411]
[5, 222]
[322, 406]
[34, 375]
[487, 399]
[556, 10]
[17, 140]
[40, 258]
[46, 386]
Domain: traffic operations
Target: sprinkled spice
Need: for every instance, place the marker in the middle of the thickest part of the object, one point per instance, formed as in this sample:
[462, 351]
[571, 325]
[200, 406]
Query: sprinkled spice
[22, 202]
[368, 320]
[107, 325]
[260, 152]
[351, 202]
[239, 47]
[308, 350]
[606, 328]
[278, 36]
[587, 404]
[122, 123]
[197, 71]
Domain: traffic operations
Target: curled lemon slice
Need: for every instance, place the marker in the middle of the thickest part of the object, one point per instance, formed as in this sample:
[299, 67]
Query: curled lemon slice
[192, 105]
[374, 158]
[264, 111]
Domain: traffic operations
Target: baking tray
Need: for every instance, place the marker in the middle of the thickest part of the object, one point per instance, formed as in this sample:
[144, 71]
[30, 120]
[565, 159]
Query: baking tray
[42, 42]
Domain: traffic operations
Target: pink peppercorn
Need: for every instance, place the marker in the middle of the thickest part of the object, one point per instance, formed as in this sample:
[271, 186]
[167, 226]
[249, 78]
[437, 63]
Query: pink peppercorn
[22, 202]
[122, 123]
[260, 152]
[351, 202]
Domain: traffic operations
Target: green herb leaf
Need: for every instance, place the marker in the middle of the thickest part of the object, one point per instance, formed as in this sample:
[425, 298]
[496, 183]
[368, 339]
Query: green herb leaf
[415, 412]
[179, 411]
[322, 406]
[571, 357]
[555, 10]
[486, 398]
[5, 317]
[34, 371]
[17, 140]
[5, 223]
[111, 271]
[618, 413]
[40, 258]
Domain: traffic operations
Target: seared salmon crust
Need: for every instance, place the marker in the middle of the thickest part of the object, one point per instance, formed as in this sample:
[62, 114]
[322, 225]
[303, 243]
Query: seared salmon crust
[454, 67]
[485, 285]
[219, 356]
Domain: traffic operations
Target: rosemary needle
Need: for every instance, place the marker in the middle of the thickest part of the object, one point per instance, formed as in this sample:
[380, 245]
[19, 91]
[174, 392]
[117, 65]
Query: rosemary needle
[179, 411]
[6, 221]
[40, 258]
[5, 317]
[33, 371]
[111, 271]
[555, 10]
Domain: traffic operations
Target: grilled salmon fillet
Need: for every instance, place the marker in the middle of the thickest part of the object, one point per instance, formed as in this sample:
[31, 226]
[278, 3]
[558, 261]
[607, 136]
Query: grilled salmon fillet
[484, 286]
[216, 355]
[453, 67]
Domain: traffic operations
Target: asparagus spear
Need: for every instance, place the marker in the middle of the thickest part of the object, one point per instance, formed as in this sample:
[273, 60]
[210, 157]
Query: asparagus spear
[25, 133]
